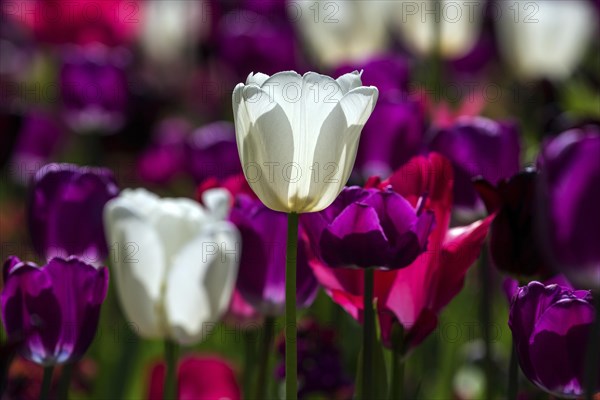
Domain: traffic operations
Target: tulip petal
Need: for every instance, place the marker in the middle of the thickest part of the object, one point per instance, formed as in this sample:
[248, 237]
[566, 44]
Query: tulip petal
[334, 156]
[355, 237]
[266, 153]
[350, 81]
[139, 275]
[200, 282]
[257, 79]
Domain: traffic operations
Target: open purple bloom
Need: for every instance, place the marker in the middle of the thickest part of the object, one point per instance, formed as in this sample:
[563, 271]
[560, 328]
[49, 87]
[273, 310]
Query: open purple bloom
[212, 152]
[478, 147]
[369, 228]
[261, 277]
[65, 211]
[550, 327]
[94, 89]
[53, 309]
[569, 198]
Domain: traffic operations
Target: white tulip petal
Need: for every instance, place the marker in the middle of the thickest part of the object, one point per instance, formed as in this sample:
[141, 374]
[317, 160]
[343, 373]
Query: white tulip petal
[350, 81]
[268, 150]
[217, 202]
[139, 266]
[256, 79]
[176, 220]
[297, 136]
[200, 282]
[358, 104]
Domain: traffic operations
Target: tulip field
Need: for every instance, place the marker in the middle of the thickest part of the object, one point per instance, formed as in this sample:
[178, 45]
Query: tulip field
[299, 199]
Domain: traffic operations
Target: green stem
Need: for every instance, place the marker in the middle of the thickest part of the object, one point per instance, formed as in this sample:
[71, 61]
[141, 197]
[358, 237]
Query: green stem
[291, 365]
[263, 365]
[65, 381]
[397, 377]
[249, 357]
[368, 336]
[513, 374]
[593, 353]
[436, 54]
[46, 382]
[486, 319]
[170, 388]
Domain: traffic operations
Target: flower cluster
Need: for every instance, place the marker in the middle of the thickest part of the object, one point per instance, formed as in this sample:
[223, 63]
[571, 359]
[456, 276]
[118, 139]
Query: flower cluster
[215, 199]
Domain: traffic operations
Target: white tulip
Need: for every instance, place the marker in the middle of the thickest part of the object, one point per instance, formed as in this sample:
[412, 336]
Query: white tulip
[297, 136]
[341, 31]
[460, 25]
[546, 38]
[175, 262]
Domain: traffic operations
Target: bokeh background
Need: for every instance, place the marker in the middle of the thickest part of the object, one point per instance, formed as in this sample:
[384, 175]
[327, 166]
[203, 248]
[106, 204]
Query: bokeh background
[144, 87]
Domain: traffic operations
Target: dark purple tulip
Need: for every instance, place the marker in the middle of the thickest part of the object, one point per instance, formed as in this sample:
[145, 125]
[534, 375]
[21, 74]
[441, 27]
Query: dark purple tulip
[164, 160]
[212, 152]
[261, 276]
[94, 89]
[478, 147]
[389, 73]
[550, 327]
[66, 208]
[54, 308]
[39, 138]
[320, 363]
[514, 247]
[569, 203]
[369, 228]
[250, 42]
[391, 137]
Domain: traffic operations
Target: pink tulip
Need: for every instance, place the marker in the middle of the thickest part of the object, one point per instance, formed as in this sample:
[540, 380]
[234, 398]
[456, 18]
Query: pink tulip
[414, 296]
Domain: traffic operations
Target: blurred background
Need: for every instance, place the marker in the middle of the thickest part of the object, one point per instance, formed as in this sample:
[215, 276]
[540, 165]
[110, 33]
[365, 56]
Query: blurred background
[144, 87]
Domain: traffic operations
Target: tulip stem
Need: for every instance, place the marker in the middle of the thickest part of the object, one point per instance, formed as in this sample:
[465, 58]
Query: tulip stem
[249, 357]
[486, 320]
[65, 381]
[368, 336]
[46, 382]
[397, 377]
[170, 388]
[513, 374]
[291, 366]
[593, 353]
[265, 350]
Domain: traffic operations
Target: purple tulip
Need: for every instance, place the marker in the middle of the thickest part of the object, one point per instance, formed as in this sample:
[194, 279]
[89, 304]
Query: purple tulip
[391, 137]
[369, 228]
[53, 309]
[261, 277]
[65, 211]
[39, 138]
[569, 198]
[550, 327]
[164, 160]
[478, 147]
[212, 152]
[94, 89]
